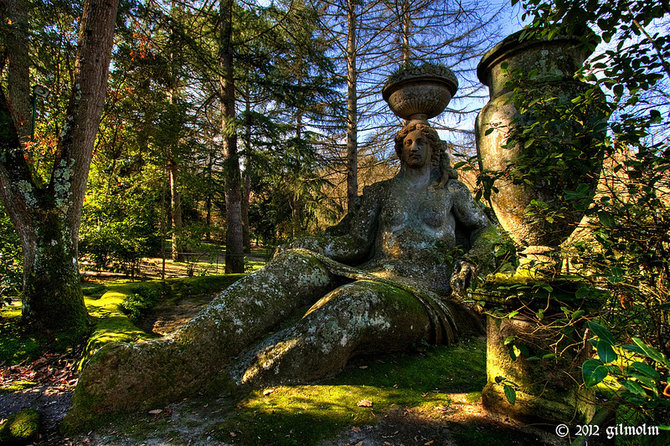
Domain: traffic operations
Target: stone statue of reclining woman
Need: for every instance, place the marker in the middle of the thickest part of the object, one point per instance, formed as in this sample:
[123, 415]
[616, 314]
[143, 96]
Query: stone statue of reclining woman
[378, 283]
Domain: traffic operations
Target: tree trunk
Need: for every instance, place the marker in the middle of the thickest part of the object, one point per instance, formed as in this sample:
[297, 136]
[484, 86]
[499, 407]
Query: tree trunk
[246, 235]
[233, 193]
[352, 113]
[246, 191]
[47, 218]
[53, 301]
[406, 22]
[18, 67]
[208, 198]
[175, 213]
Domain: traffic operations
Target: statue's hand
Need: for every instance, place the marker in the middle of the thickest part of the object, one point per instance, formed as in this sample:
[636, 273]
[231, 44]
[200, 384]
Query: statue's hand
[461, 278]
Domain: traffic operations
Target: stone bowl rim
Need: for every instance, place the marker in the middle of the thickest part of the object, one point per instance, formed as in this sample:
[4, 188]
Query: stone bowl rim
[511, 44]
[450, 82]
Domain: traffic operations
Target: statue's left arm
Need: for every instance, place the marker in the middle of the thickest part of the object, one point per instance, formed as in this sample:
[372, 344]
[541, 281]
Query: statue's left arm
[466, 210]
[471, 216]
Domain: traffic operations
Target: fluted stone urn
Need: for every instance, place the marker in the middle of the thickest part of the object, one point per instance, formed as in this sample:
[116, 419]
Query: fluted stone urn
[420, 92]
[542, 71]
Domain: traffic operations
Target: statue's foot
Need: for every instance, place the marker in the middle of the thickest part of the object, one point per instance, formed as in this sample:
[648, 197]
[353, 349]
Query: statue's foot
[147, 375]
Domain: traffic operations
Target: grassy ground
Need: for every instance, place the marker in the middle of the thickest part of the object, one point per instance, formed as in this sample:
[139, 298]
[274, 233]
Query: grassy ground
[429, 397]
[426, 397]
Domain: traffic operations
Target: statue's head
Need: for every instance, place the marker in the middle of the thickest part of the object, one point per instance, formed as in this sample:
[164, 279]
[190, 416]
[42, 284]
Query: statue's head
[439, 158]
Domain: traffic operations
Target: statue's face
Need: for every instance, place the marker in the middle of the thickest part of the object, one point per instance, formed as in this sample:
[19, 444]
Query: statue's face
[416, 150]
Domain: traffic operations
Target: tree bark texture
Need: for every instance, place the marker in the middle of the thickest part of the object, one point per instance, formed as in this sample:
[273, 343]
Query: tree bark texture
[175, 213]
[233, 193]
[352, 112]
[18, 66]
[246, 234]
[47, 218]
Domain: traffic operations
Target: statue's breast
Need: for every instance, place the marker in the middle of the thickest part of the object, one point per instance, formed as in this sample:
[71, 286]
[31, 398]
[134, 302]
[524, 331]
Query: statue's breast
[432, 215]
[415, 222]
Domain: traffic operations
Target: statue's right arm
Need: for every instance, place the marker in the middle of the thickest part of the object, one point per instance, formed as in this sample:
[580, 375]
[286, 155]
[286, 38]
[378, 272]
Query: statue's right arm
[354, 246]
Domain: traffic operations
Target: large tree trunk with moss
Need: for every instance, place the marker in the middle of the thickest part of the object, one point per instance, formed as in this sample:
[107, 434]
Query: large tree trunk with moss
[47, 217]
[53, 302]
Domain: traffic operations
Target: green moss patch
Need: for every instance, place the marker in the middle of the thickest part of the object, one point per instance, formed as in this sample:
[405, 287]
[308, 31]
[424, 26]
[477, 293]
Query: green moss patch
[369, 387]
[110, 324]
[15, 345]
[19, 428]
[111, 307]
[17, 386]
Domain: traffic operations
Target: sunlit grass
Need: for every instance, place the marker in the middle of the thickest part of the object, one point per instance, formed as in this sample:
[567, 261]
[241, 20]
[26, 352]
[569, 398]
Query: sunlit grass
[15, 346]
[308, 413]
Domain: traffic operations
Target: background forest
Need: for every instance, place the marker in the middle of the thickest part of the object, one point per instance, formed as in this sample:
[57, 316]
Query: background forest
[310, 128]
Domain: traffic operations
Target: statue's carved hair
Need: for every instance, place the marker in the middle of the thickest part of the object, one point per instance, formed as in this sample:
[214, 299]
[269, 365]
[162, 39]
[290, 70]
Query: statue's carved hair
[439, 157]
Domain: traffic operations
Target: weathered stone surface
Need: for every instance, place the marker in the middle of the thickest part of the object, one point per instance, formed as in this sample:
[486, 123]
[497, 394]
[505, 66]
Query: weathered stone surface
[548, 389]
[420, 92]
[546, 68]
[144, 375]
[375, 287]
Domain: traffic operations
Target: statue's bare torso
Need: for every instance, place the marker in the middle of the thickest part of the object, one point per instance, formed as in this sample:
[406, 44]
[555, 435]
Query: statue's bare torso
[415, 230]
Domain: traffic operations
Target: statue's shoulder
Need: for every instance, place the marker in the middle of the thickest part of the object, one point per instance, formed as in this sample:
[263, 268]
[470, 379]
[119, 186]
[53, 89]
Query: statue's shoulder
[378, 188]
[457, 187]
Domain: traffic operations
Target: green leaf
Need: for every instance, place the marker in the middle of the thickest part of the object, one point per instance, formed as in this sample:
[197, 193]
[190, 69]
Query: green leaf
[616, 275]
[634, 388]
[645, 381]
[606, 219]
[633, 348]
[593, 372]
[605, 352]
[651, 352]
[510, 393]
[647, 370]
[601, 332]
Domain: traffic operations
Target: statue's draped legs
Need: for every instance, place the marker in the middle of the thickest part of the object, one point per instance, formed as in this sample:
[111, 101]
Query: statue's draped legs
[352, 313]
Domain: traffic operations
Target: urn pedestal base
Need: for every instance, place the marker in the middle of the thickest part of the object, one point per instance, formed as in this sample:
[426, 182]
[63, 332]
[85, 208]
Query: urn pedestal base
[539, 262]
[547, 389]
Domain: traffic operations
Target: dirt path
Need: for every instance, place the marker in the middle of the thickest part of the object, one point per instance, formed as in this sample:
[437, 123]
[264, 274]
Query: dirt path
[165, 319]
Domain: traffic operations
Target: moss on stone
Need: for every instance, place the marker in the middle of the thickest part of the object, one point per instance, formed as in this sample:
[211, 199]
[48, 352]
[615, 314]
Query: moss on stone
[20, 428]
[110, 324]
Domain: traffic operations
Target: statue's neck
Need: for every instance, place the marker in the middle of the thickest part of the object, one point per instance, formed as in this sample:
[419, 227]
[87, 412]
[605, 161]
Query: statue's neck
[417, 178]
